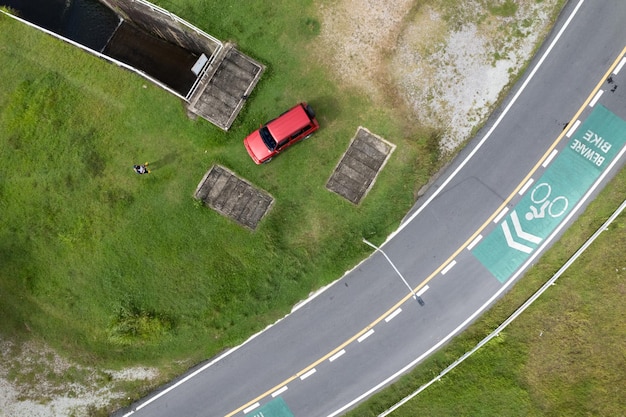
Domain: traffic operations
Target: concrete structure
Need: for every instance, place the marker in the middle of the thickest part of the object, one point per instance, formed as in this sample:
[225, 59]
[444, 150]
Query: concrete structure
[224, 77]
[165, 25]
[356, 172]
[233, 197]
[213, 79]
[225, 86]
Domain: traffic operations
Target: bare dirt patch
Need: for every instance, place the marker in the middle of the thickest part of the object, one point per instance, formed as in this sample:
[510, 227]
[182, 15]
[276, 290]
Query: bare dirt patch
[357, 34]
[448, 61]
[37, 382]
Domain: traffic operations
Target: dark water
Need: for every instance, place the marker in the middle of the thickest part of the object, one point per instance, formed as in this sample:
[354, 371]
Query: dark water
[87, 22]
[160, 59]
[94, 25]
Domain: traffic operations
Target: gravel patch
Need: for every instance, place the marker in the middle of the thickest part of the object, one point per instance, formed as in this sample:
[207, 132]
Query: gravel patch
[448, 63]
[36, 382]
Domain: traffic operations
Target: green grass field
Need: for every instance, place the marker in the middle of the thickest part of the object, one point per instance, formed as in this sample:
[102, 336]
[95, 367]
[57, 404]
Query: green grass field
[116, 268]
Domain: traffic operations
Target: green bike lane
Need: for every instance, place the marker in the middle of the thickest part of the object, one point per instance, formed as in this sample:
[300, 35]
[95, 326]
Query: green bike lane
[547, 201]
[275, 408]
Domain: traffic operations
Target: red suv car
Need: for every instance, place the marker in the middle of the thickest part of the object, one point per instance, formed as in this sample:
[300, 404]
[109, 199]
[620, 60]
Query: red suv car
[290, 127]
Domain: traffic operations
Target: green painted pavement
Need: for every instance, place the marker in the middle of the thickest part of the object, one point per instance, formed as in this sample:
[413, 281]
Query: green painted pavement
[275, 408]
[547, 202]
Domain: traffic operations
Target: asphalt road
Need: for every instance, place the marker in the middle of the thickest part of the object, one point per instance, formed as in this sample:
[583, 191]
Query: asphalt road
[359, 333]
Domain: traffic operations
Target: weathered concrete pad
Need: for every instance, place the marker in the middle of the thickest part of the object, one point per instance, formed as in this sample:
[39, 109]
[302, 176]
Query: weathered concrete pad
[224, 87]
[233, 197]
[358, 168]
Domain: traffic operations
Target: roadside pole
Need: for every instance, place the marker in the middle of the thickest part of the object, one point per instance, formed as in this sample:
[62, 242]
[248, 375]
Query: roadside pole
[415, 296]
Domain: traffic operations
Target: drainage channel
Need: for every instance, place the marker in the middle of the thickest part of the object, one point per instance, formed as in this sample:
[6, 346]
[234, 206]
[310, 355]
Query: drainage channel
[97, 27]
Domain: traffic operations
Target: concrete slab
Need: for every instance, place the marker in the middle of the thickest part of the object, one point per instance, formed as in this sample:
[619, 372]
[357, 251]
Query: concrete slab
[224, 87]
[357, 170]
[233, 197]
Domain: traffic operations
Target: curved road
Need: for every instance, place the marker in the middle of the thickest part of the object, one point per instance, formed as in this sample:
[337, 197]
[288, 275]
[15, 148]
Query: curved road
[465, 242]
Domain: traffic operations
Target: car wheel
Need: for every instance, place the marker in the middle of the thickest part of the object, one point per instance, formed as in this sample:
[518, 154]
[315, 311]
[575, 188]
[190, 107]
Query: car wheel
[267, 160]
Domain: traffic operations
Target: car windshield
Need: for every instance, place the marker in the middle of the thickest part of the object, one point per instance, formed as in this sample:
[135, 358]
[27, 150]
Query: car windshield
[269, 141]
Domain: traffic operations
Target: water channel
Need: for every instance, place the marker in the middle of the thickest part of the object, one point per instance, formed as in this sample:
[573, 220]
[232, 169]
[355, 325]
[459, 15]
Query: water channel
[94, 25]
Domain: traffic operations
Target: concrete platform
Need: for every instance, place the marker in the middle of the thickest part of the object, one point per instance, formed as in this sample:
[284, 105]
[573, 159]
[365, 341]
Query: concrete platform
[233, 197]
[357, 170]
[225, 86]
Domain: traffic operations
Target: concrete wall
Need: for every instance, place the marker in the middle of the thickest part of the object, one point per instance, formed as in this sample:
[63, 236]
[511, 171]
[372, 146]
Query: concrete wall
[165, 25]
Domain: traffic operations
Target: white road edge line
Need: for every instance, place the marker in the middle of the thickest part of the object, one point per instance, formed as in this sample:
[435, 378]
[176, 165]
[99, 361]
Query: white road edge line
[510, 281]
[448, 267]
[501, 215]
[337, 355]
[619, 67]
[307, 374]
[549, 158]
[280, 391]
[573, 129]
[392, 315]
[252, 407]
[366, 335]
[526, 186]
[596, 98]
[422, 291]
[475, 242]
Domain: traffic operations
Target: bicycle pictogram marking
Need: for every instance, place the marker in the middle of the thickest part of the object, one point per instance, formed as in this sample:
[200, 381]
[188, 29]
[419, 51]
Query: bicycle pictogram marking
[540, 196]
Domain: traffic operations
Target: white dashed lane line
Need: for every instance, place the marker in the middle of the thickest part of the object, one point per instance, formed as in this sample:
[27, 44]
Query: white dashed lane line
[279, 391]
[526, 186]
[422, 291]
[501, 215]
[448, 268]
[475, 242]
[619, 67]
[252, 407]
[392, 315]
[596, 98]
[366, 335]
[550, 158]
[573, 129]
[337, 355]
[307, 374]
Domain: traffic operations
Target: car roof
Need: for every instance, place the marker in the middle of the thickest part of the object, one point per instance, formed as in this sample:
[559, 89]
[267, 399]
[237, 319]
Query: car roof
[289, 122]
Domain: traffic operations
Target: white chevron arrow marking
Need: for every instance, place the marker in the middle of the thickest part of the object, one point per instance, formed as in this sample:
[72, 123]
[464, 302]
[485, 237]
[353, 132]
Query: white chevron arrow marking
[519, 232]
[513, 244]
[524, 235]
